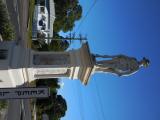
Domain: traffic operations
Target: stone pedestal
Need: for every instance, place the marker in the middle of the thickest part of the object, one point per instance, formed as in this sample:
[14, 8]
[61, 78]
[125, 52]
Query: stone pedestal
[73, 64]
[12, 64]
[19, 65]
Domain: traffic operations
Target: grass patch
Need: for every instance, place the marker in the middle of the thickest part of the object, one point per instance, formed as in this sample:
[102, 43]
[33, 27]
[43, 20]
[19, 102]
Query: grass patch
[30, 20]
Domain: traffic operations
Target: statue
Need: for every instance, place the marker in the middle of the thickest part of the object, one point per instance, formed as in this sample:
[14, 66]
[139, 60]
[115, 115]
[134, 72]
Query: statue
[120, 65]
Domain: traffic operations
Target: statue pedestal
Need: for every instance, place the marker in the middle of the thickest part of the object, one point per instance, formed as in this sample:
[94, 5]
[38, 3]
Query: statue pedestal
[73, 64]
[19, 65]
[82, 64]
[12, 64]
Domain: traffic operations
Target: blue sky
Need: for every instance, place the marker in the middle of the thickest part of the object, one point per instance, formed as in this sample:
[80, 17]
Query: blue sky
[130, 27]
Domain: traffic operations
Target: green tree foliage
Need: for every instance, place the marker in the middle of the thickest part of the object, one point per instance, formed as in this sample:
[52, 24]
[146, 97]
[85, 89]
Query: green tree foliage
[55, 106]
[6, 28]
[55, 45]
[58, 109]
[51, 82]
[3, 104]
[58, 45]
[67, 12]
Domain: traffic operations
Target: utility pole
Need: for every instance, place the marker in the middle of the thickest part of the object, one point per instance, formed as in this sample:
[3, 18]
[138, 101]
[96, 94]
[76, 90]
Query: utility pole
[71, 37]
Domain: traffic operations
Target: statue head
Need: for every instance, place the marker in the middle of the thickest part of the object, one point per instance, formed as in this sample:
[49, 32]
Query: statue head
[145, 62]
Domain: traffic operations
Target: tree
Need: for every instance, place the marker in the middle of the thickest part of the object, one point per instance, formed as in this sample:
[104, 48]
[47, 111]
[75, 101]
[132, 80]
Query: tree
[55, 106]
[58, 45]
[3, 104]
[58, 108]
[67, 12]
[51, 82]
[54, 45]
[6, 28]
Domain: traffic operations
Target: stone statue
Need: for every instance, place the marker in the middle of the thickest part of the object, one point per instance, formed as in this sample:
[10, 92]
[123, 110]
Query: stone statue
[120, 65]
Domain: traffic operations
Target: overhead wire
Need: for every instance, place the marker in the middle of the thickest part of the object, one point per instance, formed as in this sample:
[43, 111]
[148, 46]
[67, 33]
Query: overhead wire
[80, 101]
[79, 92]
[100, 100]
[87, 13]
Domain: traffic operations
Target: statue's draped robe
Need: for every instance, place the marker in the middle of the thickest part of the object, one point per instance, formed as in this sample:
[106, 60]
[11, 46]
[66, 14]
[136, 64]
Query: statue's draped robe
[120, 65]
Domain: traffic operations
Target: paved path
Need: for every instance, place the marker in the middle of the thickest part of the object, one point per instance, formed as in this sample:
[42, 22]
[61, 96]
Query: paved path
[14, 110]
[18, 11]
[19, 110]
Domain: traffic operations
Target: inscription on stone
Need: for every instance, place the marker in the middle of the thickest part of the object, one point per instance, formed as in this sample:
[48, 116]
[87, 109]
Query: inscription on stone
[58, 59]
[50, 71]
[24, 93]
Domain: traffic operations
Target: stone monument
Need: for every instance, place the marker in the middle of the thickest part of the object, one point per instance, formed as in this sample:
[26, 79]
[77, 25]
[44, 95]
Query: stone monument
[19, 65]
